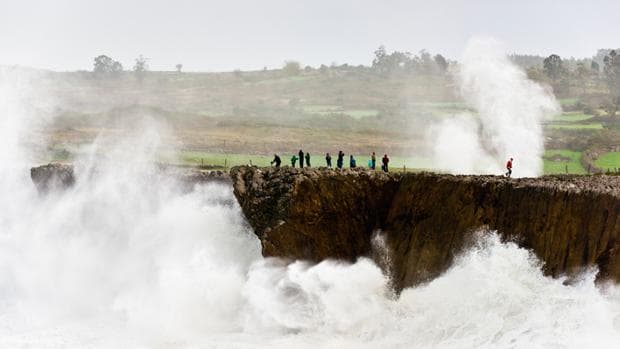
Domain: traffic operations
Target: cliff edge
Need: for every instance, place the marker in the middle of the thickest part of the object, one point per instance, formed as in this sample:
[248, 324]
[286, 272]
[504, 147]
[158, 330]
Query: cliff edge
[569, 222]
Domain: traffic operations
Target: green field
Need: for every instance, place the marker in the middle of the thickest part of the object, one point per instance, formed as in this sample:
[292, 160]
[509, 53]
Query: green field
[608, 161]
[568, 101]
[590, 126]
[572, 117]
[361, 113]
[558, 161]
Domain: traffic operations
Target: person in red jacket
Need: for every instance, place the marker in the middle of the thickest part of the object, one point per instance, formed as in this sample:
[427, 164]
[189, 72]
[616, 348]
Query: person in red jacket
[509, 168]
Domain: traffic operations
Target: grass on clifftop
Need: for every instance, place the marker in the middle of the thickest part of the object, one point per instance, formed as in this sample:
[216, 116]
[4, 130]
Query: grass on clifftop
[608, 161]
[317, 160]
[558, 161]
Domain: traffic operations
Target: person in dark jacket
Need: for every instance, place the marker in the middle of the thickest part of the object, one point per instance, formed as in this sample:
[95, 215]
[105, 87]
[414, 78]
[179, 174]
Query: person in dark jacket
[340, 160]
[293, 161]
[276, 160]
[373, 161]
[328, 160]
[385, 162]
[301, 158]
[308, 159]
[352, 163]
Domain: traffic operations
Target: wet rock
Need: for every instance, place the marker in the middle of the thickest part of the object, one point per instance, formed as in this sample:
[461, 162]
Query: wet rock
[569, 222]
[52, 176]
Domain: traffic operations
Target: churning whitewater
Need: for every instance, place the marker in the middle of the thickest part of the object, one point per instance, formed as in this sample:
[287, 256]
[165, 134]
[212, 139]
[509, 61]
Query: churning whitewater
[125, 258]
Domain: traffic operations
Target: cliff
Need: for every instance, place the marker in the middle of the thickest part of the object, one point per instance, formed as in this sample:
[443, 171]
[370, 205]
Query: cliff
[569, 222]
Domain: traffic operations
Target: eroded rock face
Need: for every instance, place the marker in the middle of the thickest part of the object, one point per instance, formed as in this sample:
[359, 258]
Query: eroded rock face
[304, 213]
[569, 222]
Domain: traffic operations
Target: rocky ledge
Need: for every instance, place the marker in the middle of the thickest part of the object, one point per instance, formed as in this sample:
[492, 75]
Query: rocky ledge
[569, 222]
[62, 176]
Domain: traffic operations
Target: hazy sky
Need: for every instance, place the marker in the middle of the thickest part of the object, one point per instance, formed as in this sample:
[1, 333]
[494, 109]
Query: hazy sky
[230, 34]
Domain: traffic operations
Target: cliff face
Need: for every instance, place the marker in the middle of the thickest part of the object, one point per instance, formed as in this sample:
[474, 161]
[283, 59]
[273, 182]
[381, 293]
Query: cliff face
[570, 223]
[306, 214]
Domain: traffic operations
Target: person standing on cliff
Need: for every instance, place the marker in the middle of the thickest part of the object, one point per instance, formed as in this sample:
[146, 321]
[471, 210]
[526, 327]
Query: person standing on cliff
[301, 158]
[509, 168]
[276, 160]
[340, 160]
[308, 159]
[385, 162]
[352, 163]
[293, 160]
[373, 160]
[328, 160]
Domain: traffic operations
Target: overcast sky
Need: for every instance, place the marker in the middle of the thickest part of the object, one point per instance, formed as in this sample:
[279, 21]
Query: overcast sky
[235, 34]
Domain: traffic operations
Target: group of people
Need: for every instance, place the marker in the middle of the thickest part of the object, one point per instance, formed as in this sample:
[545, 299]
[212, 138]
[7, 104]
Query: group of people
[304, 160]
[352, 163]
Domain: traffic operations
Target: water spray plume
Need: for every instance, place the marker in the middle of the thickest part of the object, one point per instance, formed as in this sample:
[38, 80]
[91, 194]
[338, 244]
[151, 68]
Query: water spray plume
[508, 124]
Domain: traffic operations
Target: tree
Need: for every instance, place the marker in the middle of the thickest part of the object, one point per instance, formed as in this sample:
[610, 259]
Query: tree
[385, 64]
[552, 66]
[117, 68]
[323, 69]
[424, 63]
[535, 74]
[106, 66]
[441, 63]
[583, 75]
[141, 67]
[291, 68]
[611, 70]
[179, 67]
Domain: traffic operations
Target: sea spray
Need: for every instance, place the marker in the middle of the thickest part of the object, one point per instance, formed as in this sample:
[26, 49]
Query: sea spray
[508, 124]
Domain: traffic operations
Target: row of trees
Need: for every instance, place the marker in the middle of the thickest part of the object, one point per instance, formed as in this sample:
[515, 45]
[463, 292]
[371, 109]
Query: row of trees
[423, 63]
[105, 66]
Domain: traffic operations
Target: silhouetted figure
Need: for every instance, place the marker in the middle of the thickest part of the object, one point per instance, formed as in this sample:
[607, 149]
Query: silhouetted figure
[308, 159]
[340, 160]
[293, 161]
[301, 158]
[352, 163]
[276, 160]
[509, 168]
[328, 160]
[373, 161]
[385, 162]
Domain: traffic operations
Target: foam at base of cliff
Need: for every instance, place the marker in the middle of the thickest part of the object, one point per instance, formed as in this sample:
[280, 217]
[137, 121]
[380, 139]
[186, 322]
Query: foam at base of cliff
[570, 222]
